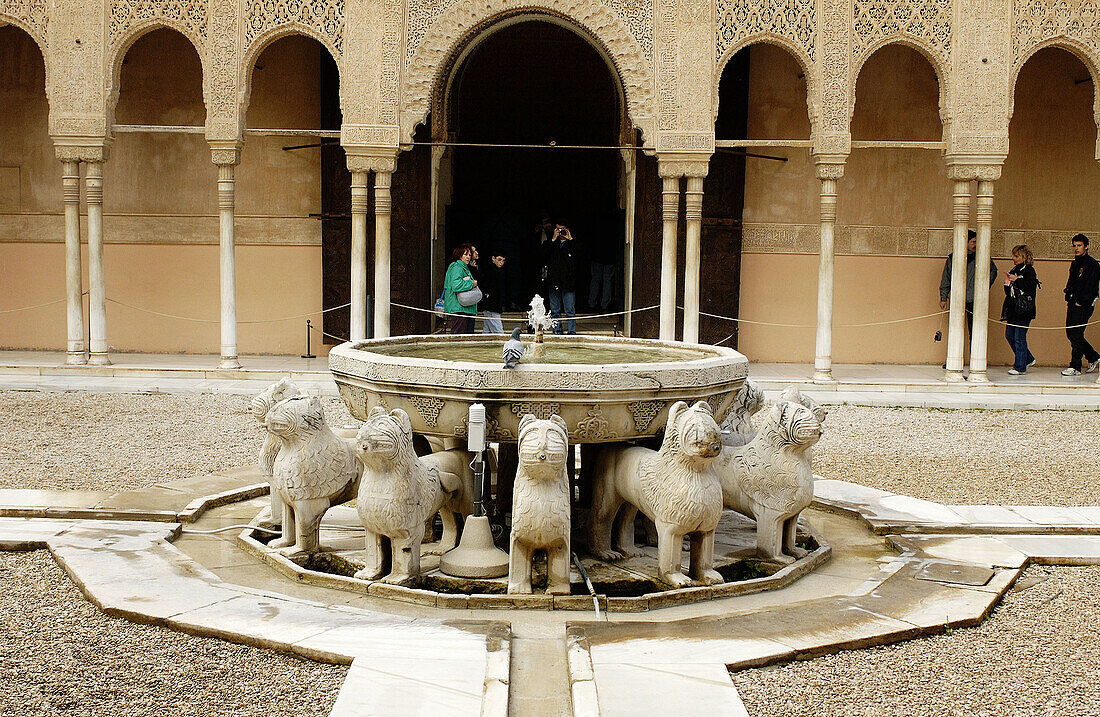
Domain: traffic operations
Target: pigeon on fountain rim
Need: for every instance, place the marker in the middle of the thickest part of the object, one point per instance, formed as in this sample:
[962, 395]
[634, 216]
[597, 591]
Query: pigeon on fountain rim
[513, 350]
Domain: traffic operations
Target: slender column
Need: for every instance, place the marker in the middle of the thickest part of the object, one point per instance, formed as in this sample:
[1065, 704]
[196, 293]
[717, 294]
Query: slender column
[693, 216]
[382, 254]
[74, 289]
[979, 336]
[823, 347]
[227, 159]
[630, 164]
[670, 195]
[358, 330]
[956, 326]
[97, 290]
[437, 270]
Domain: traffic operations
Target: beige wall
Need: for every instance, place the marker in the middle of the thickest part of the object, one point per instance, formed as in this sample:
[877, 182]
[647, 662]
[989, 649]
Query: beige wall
[160, 204]
[871, 289]
[1049, 190]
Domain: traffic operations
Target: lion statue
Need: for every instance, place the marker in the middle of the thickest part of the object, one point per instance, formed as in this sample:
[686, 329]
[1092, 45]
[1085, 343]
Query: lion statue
[540, 505]
[792, 394]
[260, 405]
[399, 492]
[737, 428]
[313, 470]
[769, 479]
[676, 487]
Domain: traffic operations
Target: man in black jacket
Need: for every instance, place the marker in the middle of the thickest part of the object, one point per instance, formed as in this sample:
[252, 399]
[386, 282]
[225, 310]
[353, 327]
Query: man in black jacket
[561, 278]
[1081, 291]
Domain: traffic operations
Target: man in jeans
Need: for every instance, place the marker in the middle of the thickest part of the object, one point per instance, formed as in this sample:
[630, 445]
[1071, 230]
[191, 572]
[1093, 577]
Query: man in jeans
[1081, 291]
[561, 279]
[971, 265]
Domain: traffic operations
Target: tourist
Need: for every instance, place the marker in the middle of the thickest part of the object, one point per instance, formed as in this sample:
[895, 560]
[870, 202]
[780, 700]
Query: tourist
[1081, 290]
[493, 286]
[1018, 311]
[458, 280]
[971, 264]
[562, 279]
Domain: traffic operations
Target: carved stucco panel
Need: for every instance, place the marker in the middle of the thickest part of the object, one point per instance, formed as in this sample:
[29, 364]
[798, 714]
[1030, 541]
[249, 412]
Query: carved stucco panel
[977, 121]
[791, 20]
[635, 14]
[223, 110]
[462, 18]
[322, 18]
[30, 15]
[187, 16]
[78, 104]
[924, 23]
[830, 118]
[1037, 22]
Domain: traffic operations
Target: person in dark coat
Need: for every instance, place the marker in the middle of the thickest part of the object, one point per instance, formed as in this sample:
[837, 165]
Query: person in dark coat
[493, 286]
[1081, 291]
[1018, 311]
[561, 279]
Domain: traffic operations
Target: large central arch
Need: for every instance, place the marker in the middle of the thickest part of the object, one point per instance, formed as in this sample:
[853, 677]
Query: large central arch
[466, 21]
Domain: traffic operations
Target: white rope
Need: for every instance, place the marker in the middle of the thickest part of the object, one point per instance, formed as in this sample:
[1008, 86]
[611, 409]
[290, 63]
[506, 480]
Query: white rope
[30, 308]
[217, 321]
[583, 317]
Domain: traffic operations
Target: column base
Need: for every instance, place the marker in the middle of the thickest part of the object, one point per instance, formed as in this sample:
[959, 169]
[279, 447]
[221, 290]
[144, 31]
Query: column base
[977, 377]
[76, 358]
[99, 359]
[229, 362]
[954, 376]
[823, 375]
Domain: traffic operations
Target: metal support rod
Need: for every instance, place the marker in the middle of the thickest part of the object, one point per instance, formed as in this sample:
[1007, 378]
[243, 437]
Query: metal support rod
[309, 353]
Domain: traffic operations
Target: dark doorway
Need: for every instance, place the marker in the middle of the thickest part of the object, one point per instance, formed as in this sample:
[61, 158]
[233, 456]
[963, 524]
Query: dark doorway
[335, 210]
[534, 83]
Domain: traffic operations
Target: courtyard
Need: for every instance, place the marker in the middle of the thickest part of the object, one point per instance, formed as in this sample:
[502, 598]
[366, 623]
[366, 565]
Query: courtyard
[1033, 655]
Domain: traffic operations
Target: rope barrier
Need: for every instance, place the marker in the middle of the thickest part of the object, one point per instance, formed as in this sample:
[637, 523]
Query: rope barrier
[885, 323]
[218, 321]
[583, 317]
[31, 308]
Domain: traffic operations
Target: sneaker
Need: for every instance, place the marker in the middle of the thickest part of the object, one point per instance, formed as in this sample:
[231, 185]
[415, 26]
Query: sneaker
[1070, 372]
[1093, 365]
[1031, 362]
[1014, 372]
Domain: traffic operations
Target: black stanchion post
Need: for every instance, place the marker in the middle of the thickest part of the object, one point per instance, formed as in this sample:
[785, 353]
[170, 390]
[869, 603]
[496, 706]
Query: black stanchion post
[308, 354]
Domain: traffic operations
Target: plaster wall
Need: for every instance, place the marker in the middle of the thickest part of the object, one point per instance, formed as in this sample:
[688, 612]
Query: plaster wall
[782, 288]
[181, 280]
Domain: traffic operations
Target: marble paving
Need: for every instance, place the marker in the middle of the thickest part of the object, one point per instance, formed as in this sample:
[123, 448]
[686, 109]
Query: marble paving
[901, 568]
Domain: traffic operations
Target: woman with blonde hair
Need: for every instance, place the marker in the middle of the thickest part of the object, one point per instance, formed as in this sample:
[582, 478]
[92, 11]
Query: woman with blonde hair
[1021, 286]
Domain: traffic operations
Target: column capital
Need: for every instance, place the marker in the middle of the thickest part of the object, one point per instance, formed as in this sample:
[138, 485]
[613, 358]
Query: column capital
[81, 149]
[371, 161]
[683, 164]
[982, 169]
[225, 153]
[829, 168]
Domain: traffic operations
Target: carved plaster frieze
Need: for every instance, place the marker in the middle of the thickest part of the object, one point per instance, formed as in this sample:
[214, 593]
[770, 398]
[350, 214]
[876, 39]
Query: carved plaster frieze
[789, 23]
[925, 24]
[1036, 23]
[830, 118]
[444, 38]
[220, 80]
[30, 15]
[128, 17]
[323, 19]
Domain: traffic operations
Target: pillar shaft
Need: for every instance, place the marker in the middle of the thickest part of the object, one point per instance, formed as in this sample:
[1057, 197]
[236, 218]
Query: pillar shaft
[97, 289]
[74, 288]
[823, 346]
[979, 338]
[670, 207]
[956, 327]
[382, 254]
[228, 265]
[359, 207]
[693, 217]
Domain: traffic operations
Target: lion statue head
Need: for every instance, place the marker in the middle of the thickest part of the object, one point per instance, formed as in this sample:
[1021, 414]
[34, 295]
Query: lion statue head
[284, 388]
[295, 416]
[793, 425]
[692, 432]
[385, 439]
[793, 395]
[543, 446]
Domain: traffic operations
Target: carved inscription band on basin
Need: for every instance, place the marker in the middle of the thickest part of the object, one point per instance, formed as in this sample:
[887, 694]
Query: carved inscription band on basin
[600, 403]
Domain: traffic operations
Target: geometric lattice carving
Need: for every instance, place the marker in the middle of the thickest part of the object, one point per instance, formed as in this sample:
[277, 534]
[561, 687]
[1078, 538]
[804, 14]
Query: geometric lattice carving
[925, 22]
[428, 408]
[1035, 21]
[32, 14]
[637, 15]
[791, 19]
[542, 411]
[326, 17]
[188, 16]
[644, 412]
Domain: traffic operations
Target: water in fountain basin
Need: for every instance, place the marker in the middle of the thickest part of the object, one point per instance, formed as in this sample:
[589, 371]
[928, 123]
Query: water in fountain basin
[550, 353]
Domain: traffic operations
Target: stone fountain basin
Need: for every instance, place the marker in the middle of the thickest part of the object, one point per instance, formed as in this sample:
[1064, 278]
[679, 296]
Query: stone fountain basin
[600, 403]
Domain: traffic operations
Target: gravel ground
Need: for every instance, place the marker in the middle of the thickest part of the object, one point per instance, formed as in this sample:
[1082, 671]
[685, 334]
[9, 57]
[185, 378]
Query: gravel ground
[967, 457]
[1038, 655]
[59, 655]
[117, 442]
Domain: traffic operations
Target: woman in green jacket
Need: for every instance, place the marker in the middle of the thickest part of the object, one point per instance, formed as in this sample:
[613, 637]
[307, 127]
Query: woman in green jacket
[457, 280]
